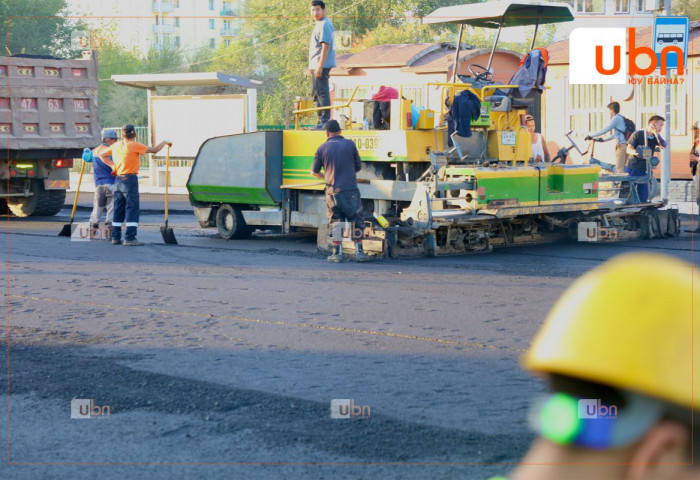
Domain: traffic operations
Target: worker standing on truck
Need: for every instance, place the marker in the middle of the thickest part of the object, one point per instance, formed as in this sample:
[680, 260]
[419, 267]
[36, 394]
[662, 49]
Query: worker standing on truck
[104, 185]
[642, 139]
[321, 60]
[620, 356]
[125, 154]
[341, 161]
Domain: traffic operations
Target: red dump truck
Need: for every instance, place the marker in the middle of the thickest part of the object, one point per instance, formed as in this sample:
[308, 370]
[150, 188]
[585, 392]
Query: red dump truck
[48, 114]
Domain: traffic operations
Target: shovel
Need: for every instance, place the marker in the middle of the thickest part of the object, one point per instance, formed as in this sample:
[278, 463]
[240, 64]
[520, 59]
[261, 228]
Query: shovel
[165, 231]
[68, 227]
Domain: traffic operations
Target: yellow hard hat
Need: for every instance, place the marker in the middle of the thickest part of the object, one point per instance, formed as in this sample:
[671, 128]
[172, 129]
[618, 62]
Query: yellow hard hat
[628, 324]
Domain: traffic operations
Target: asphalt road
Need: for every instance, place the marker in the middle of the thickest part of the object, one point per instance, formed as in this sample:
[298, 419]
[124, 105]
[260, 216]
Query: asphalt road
[220, 359]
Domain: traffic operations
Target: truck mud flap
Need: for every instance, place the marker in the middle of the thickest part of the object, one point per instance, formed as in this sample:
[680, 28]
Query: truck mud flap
[663, 223]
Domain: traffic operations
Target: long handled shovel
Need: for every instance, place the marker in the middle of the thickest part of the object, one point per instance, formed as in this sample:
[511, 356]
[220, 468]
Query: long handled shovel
[165, 231]
[68, 227]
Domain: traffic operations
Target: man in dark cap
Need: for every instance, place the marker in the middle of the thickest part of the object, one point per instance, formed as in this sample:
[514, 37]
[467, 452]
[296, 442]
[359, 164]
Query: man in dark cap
[340, 161]
[125, 154]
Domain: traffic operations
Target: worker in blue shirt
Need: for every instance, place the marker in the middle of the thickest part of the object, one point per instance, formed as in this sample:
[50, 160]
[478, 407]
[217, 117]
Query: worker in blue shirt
[617, 132]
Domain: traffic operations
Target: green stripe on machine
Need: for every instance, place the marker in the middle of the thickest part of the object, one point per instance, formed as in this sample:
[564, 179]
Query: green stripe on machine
[223, 194]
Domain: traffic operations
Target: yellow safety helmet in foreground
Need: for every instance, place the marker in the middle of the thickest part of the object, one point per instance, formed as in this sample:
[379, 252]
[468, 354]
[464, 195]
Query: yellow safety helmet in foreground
[628, 324]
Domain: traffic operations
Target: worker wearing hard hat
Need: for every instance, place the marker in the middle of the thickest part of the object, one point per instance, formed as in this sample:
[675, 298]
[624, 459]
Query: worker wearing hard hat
[617, 352]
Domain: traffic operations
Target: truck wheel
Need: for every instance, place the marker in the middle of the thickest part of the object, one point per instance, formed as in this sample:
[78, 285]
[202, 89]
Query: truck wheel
[25, 206]
[231, 224]
[50, 202]
[3, 207]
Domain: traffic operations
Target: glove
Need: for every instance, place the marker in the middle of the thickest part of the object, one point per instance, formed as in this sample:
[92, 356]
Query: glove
[113, 173]
[693, 167]
[87, 155]
[597, 139]
[168, 142]
[588, 137]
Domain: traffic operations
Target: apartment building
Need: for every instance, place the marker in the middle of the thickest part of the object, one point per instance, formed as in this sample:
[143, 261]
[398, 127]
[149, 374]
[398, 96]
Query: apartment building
[189, 24]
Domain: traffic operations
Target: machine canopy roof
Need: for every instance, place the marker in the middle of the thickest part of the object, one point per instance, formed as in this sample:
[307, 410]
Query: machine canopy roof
[494, 14]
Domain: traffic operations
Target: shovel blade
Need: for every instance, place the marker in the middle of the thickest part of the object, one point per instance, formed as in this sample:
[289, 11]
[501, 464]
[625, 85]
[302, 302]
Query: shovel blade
[168, 235]
[66, 231]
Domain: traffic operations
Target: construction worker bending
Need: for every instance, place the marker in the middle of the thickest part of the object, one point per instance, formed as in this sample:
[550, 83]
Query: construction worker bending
[620, 351]
[125, 154]
[341, 161]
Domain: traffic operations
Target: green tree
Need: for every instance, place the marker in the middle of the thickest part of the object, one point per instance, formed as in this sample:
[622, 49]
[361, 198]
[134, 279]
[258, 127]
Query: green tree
[37, 27]
[691, 8]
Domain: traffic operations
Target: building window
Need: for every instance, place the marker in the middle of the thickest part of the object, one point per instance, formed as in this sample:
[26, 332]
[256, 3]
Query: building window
[586, 108]
[212, 43]
[211, 24]
[177, 3]
[227, 42]
[641, 7]
[177, 21]
[589, 6]
[177, 41]
[622, 6]
[652, 98]
[227, 24]
[211, 4]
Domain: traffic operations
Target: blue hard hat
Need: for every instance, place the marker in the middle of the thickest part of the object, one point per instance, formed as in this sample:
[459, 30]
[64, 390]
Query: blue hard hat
[110, 134]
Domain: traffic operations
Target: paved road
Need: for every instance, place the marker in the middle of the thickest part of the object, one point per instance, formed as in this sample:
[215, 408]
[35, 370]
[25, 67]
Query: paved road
[219, 359]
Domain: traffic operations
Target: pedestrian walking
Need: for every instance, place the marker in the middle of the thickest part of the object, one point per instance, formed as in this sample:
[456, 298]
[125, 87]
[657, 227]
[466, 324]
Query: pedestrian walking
[620, 355]
[104, 183]
[126, 162]
[637, 164]
[321, 60]
[340, 161]
[617, 129]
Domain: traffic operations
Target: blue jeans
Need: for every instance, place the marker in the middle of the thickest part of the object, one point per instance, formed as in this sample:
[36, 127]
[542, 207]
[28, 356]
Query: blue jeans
[126, 201]
[642, 188]
[322, 95]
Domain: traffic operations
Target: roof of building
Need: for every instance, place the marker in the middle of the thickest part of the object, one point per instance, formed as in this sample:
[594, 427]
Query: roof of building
[559, 51]
[417, 58]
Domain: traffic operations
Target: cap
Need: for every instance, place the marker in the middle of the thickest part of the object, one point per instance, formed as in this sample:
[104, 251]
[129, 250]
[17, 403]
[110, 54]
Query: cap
[332, 126]
[696, 125]
[110, 134]
[129, 129]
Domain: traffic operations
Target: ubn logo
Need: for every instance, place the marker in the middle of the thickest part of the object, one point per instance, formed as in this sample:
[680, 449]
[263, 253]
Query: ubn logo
[595, 56]
[346, 408]
[82, 232]
[342, 231]
[85, 408]
[594, 408]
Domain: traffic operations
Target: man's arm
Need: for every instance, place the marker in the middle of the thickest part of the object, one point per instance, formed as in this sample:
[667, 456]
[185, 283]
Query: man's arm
[158, 147]
[106, 158]
[316, 166]
[356, 157]
[605, 130]
[325, 48]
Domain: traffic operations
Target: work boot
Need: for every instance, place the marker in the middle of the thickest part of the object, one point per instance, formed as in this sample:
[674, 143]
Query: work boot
[360, 255]
[133, 243]
[336, 255]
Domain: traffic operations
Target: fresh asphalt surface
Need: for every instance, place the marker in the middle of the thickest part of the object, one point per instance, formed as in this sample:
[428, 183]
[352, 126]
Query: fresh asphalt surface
[219, 359]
